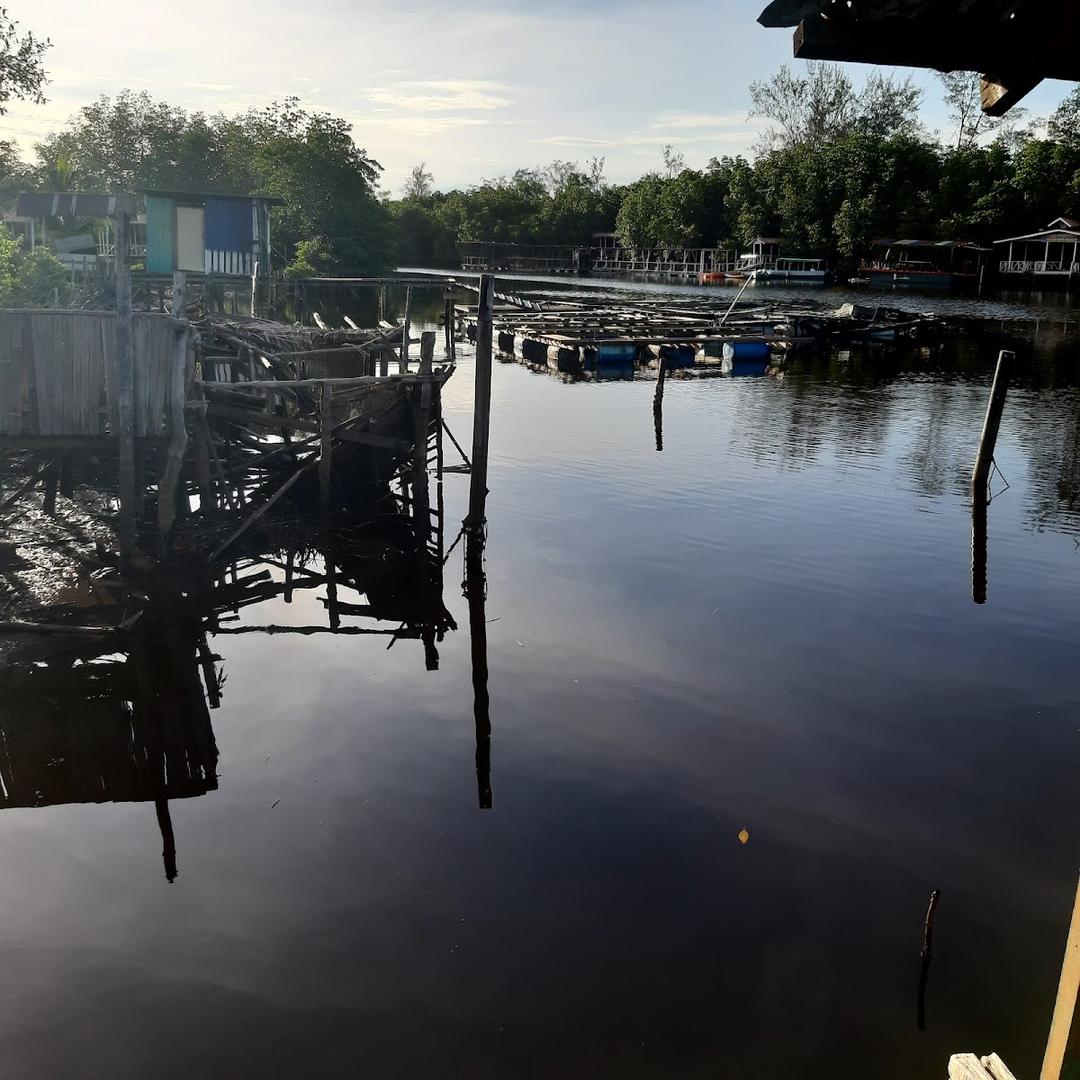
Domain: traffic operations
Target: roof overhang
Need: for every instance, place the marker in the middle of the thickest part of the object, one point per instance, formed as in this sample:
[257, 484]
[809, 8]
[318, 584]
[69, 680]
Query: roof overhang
[1053, 236]
[1014, 45]
[272, 200]
[84, 204]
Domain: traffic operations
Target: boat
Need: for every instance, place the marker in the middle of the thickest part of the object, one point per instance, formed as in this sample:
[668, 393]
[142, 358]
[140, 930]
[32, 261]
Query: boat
[793, 268]
[712, 277]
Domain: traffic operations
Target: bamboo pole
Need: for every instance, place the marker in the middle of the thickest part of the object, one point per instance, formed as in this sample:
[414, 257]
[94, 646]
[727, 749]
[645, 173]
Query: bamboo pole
[403, 363]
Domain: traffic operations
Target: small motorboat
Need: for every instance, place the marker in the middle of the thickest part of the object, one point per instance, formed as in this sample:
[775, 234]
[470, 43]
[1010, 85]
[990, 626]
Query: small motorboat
[712, 277]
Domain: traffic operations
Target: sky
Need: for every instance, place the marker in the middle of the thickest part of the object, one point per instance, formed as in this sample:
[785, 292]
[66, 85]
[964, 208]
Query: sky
[474, 89]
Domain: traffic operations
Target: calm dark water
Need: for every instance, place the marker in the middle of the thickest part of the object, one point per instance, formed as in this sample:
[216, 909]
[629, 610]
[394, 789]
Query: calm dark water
[768, 626]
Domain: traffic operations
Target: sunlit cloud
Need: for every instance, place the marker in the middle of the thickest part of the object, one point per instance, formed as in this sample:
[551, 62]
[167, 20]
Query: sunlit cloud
[441, 95]
[418, 125]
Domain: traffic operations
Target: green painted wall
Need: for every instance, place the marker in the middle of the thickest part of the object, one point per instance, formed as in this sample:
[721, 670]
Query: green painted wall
[160, 230]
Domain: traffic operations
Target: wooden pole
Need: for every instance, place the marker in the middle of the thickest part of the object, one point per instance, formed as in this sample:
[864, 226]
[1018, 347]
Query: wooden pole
[125, 395]
[984, 460]
[448, 321]
[177, 396]
[326, 424]
[427, 351]
[481, 405]
[1065, 1005]
[403, 363]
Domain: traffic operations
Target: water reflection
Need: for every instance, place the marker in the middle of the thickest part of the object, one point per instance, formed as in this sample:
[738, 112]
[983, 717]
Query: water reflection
[90, 725]
[124, 715]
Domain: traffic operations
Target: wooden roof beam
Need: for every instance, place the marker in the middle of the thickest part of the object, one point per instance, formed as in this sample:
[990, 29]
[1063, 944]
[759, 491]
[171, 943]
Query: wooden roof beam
[957, 43]
[1000, 93]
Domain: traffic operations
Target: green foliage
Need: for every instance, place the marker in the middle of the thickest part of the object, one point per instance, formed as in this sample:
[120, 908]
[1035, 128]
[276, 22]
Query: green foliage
[22, 64]
[30, 278]
[311, 258]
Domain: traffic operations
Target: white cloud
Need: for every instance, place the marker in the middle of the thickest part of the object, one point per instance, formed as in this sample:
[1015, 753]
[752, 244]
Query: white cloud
[698, 120]
[418, 125]
[635, 138]
[441, 95]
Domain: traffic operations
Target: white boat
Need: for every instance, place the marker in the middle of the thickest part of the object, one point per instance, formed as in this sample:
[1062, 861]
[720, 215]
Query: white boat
[811, 271]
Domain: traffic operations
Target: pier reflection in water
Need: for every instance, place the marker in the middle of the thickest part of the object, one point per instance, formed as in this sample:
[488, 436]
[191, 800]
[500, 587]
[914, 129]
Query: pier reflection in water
[123, 715]
[769, 626]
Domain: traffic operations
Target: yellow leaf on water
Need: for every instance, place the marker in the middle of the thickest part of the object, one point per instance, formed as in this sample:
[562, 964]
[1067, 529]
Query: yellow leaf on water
[743, 836]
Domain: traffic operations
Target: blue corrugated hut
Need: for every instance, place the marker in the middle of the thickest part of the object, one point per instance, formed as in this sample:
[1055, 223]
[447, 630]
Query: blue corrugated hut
[207, 233]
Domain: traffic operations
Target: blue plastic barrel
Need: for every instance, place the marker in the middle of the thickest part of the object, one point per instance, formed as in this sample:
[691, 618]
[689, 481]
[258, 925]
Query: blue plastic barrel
[746, 350]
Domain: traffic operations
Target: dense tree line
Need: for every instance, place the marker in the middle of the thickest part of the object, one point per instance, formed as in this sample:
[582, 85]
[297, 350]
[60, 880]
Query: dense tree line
[835, 170]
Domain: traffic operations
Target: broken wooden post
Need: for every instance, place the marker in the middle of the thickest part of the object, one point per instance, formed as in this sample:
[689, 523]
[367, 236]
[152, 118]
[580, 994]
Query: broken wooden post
[448, 321]
[175, 403]
[427, 351]
[984, 461]
[326, 425]
[403, 363]
[481, 404]
[125, 395]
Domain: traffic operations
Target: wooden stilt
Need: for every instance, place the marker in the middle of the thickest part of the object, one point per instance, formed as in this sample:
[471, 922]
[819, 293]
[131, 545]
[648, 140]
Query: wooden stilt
[403, 363]
[448, 321]
[125, 395]
[178, 437]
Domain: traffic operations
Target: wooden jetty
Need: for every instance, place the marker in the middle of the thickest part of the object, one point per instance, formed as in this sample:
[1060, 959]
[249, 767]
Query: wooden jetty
[208, 416]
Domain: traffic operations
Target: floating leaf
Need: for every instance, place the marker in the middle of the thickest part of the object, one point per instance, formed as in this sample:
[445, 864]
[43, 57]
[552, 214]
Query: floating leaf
[743, 836]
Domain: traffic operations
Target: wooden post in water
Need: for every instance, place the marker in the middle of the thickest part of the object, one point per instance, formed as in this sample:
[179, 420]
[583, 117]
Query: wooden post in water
[125, 395]
[403, 364]
[481, 405]
[326, 424]
[984, 460]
